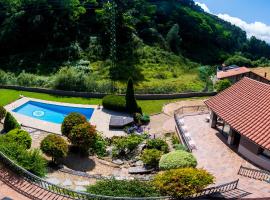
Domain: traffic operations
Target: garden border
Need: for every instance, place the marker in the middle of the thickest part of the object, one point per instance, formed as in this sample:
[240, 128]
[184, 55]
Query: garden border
[101, 95]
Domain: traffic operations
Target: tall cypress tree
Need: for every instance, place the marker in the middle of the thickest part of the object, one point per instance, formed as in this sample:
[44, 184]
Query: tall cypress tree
[131, 103]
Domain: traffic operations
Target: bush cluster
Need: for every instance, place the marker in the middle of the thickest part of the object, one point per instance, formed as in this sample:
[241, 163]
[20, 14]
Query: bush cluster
[177, 159]
[184, 182]
[123, 188]
[2, 113]
[114, 102]
[20, 137]
[10, 123]
[54, 146]
[124, 145]
[31, 160]
[222, 85]
[158, 144]
[99, 146]
[151, 157]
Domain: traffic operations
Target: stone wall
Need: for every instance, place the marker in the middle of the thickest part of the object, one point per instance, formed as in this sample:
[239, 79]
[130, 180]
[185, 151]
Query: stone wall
[101, 95]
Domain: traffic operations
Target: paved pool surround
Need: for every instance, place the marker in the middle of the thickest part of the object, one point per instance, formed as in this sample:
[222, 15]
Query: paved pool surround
[100, 117]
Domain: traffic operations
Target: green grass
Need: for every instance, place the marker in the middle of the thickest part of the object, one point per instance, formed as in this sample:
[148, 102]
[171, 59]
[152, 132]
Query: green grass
[148, 106]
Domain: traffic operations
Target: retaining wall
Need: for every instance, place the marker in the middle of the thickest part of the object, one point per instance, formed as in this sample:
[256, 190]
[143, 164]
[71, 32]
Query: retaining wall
[101, 95]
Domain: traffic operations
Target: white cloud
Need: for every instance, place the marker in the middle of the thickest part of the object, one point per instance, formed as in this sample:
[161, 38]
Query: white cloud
[203, 6]
[257, 29]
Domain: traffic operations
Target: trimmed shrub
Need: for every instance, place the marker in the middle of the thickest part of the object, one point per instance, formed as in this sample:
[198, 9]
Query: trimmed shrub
[158, 144]
[124, 145]
[123, 188]
[10, 123]
[73, 119]
[31, 160]
[222, 85]
[83, 136]
[20, 137]
[114, 102]
[3, 113]
[182, 182]
[131, 103]
[54, 146]
[151, 157]
[177, 159]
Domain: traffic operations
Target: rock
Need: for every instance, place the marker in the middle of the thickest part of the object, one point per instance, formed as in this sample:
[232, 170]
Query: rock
[53, 181]
[139, 170]
[80, 188]
[139, 163]
[81, 183]
[67, 182]
[118, 162]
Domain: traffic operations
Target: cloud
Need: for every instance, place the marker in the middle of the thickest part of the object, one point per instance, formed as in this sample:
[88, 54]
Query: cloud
[257, 29]
[203, 6]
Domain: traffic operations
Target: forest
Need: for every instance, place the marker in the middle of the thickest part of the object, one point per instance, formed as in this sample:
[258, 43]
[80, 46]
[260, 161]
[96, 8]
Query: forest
[152, 41]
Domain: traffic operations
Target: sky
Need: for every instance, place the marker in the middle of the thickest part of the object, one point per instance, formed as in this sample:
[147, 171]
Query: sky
[253, 16]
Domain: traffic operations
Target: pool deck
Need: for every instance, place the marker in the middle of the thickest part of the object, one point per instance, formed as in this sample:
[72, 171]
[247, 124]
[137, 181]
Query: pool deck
[100, 117]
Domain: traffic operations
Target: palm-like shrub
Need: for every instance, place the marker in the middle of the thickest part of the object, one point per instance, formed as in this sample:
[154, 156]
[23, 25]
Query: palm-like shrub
[151, 157]
[182, 182]
[158, 144]
[54, 146]
[83, 136]
[177, 159]
[10, 123]
[73, 119]
[2, 112]
[20, 137]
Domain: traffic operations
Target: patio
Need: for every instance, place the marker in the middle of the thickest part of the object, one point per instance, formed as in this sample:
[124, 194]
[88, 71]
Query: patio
[214, 155]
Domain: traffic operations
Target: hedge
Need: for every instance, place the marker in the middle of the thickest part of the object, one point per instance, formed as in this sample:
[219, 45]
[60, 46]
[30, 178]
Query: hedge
[114, 102]
[20, 137]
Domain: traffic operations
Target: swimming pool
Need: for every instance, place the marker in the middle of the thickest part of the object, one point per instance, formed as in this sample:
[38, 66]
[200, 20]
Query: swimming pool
[50, 112]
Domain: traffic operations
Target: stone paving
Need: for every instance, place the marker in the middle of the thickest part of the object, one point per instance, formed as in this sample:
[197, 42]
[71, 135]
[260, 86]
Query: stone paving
[215, 156]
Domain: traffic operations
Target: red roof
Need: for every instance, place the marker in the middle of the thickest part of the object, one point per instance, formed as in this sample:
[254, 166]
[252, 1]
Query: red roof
[245, 106]
[232, 72]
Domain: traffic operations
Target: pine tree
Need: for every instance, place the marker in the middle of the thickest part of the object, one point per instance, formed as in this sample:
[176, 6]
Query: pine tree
[131, 103]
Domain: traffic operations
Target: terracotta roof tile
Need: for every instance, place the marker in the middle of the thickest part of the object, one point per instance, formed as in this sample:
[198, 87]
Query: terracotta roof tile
[245, 106]
[232, 72]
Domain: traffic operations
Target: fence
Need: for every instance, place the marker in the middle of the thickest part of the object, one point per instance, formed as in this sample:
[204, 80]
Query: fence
[257, 174]
[101, 95]
[180, 114]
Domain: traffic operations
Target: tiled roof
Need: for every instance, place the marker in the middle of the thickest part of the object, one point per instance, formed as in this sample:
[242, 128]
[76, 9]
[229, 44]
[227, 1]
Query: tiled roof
[232, 72]
[245, 106]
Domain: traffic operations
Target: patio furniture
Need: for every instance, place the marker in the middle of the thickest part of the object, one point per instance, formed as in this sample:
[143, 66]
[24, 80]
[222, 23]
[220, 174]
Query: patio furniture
[118, 122]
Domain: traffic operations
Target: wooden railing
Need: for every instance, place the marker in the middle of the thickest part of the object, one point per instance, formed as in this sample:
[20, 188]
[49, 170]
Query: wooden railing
[257, 174]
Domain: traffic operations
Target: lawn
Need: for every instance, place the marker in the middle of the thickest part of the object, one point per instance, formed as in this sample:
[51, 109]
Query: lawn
[148, 106]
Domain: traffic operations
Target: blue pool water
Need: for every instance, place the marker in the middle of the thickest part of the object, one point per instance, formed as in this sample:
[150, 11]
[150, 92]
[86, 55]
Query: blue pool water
[50, 112]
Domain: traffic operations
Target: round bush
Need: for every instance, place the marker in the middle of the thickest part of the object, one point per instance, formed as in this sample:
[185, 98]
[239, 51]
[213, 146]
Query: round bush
[177, 159]
[54, 146]
[151, 157]
[73, 119]
[83, 136]
[184, 182]
[20, 137]
[114, 102]
[2, 112]
[158, 144]
[10, 123]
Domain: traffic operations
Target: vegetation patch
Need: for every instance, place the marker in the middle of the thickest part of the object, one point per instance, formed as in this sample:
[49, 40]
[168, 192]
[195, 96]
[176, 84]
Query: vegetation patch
[10, 123]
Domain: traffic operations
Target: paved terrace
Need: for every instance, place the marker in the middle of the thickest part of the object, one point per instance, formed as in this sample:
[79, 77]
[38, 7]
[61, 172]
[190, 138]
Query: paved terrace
[214, 155]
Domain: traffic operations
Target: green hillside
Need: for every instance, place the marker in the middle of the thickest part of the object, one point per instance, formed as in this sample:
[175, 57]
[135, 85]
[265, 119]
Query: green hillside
[159, 43]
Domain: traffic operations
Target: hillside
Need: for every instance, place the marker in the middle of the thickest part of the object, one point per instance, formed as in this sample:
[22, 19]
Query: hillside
[157, 42]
